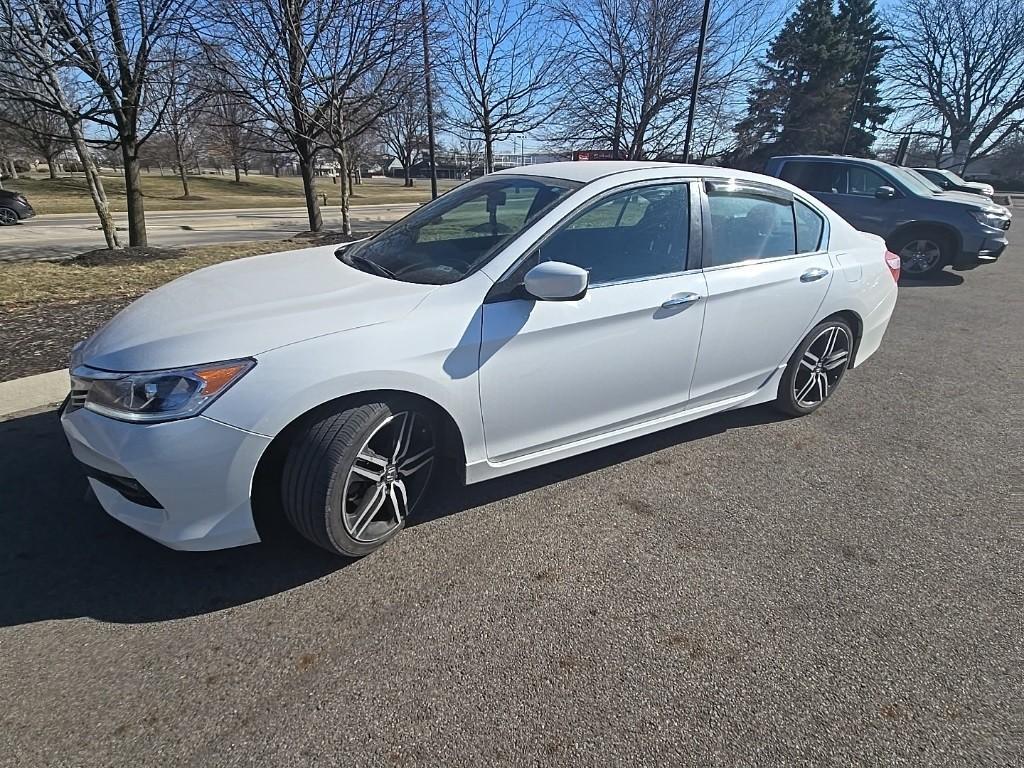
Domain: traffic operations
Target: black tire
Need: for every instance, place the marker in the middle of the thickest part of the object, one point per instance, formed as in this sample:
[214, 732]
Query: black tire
[816, 365]
[8, 216]
[923, 252]
[324, 483]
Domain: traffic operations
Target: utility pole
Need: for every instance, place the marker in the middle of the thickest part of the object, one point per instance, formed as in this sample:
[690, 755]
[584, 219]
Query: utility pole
[430, 100]
[696, 80]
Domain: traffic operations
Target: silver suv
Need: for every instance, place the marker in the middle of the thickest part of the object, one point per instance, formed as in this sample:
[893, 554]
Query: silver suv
[927, 227]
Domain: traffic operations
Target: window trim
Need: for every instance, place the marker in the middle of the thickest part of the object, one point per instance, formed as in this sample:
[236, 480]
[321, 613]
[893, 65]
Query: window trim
[506, 288]
[708, 225]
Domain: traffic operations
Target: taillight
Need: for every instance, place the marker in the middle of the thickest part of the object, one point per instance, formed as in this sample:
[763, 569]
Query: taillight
[892, 261]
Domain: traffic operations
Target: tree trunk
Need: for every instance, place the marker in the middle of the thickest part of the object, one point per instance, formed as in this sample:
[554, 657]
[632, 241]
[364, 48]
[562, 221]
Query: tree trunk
[96, 191]
[408, 172]
[488, 150]
[51, 165]
[133, 192]
[182, 173]
[238, 174]
[346, 221]
[12, 168]
[316, 222]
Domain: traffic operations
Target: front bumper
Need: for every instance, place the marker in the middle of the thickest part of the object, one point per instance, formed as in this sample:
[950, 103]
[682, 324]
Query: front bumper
[185, 484]
[989, 251]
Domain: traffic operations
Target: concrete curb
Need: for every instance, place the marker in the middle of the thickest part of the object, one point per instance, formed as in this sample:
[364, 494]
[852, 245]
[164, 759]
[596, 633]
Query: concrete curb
[33, 391]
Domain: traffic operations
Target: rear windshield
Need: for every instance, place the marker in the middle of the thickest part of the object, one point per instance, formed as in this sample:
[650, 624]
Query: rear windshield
[448, 238]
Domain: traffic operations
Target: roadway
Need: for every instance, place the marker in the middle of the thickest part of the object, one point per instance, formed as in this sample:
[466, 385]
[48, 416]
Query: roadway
[56, 236]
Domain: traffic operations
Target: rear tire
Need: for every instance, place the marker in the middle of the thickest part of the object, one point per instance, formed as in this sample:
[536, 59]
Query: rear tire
[816, 368]
[923, 253]
[353, 476]
[8, 217]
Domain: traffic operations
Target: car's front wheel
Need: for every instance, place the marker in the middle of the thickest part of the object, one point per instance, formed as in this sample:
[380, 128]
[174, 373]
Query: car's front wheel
[816, 368]
[8, 216]
[353, 476]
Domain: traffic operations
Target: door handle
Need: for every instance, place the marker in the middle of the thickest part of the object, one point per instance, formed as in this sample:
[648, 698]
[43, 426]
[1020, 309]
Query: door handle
[681, 300]
[813, 274]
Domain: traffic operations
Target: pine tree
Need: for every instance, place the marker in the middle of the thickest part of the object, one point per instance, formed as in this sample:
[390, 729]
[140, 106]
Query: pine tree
[801, 104]
[866, 36]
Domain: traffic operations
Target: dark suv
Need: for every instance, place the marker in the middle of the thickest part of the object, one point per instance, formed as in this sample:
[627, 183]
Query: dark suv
[14, 207]
[927, 227]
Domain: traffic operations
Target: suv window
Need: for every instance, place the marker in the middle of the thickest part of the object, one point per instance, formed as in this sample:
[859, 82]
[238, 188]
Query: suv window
[864, 181]
[746, 226]
[640, 232]
[829, 178]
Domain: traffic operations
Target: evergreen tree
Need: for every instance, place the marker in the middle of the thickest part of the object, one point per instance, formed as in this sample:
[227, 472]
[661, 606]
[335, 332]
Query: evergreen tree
[809, 82]
[866, 35]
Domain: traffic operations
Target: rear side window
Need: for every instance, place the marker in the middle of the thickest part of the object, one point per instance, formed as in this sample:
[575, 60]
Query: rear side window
[829, 178]
[809, 228]
[746, 226]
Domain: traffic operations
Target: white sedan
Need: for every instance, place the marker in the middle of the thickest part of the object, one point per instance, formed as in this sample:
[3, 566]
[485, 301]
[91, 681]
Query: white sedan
[524, 317]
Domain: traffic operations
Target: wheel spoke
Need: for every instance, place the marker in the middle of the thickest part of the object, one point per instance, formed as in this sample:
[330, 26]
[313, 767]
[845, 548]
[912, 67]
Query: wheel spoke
[368, 509]
[838, 359]
[831, 343]
[405, 428]
[823, 385]
[399, 500]
[806, 388]
[370, 464]
[412, 464]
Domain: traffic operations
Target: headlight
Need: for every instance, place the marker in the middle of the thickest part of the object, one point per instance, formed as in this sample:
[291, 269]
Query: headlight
[156, 395]
[994, 219]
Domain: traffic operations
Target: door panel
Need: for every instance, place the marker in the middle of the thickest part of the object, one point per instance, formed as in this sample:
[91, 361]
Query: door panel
[756, 314]
[552, 372]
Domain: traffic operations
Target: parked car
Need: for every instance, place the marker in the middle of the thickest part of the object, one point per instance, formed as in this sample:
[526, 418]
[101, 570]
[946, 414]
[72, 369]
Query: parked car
[518, 319]
[927, 227]
[14, 207]
[947, 180]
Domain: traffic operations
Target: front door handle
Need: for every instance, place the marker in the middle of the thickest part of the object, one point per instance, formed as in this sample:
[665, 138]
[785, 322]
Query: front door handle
[681, 300]
[813, 274]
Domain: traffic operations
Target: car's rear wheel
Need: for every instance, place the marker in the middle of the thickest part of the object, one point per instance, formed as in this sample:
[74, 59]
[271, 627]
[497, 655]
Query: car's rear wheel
[816, 368]
[8, 216]
[353, 476]
[922, 253]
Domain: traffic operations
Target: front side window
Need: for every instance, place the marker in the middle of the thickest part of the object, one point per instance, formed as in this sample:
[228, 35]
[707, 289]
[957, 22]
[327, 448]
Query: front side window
[864, 181]
[747, 226]
[448, 238]
[638, 233]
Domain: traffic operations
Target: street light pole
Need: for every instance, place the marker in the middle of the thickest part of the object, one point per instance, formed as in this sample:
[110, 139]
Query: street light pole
[696, 80]
[430, 100]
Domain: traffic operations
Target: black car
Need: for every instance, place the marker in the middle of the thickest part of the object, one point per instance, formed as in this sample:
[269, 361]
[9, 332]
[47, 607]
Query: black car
[14, 207]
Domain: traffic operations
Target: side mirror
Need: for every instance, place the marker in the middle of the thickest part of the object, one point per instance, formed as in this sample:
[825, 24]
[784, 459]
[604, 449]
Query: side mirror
[557, 281]
[885, 193]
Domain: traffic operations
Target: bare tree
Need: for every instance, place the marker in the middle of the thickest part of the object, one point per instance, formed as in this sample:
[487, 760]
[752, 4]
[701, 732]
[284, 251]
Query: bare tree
[627, 70]
[114, 46]
[39, 131]
[404, 128]
[499, 58]
[177, 89]
[958, 66]
[27, 40]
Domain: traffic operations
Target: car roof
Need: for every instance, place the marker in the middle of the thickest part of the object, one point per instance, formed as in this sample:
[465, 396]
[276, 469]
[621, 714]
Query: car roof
[837, 158]
[590, 170]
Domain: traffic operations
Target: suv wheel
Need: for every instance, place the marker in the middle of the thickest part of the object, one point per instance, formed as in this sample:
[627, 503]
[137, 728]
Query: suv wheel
[922, 254]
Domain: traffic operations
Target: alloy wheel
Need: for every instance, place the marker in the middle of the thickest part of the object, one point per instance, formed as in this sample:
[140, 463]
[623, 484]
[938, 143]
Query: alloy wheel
[7, 216]
[920, 256]
[822, 366]
[388, 477]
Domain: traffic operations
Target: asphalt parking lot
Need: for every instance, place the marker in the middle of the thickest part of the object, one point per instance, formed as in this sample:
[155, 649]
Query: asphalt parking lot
[844, 589]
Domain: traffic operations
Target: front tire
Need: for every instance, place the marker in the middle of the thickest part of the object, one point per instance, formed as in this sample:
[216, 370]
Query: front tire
[816, 368]
[8, 217]
[353, 476]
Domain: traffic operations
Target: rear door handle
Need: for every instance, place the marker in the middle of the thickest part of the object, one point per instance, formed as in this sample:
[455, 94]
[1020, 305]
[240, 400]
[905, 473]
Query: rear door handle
[681, 300]
[813, 274]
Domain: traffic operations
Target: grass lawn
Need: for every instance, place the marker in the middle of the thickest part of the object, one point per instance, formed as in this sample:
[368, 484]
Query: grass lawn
[69, 194]
[27, 284]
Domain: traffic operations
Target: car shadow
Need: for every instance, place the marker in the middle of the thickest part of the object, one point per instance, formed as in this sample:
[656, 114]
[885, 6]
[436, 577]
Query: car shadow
[62, 557]
[939, 279]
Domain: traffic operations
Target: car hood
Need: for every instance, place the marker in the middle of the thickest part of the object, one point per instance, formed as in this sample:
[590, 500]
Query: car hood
[245, 307]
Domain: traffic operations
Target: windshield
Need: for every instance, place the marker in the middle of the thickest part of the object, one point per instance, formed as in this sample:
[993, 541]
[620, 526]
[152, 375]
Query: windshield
[952, 176]
[917, 183]
[448, 238]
